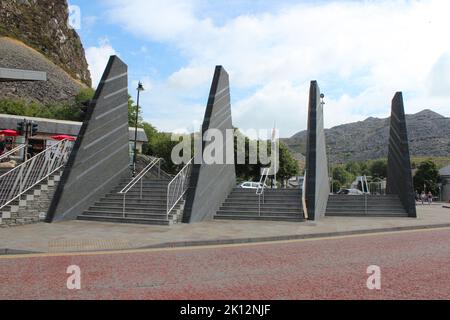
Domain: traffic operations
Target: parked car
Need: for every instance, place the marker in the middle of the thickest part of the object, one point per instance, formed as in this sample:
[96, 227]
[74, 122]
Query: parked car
[350, 192]
[251, 185]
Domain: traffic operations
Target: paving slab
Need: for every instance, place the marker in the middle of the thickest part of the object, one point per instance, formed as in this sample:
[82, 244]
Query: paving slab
[82, 236]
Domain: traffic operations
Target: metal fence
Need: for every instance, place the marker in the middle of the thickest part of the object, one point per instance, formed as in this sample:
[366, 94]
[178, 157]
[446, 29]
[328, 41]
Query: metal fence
[19, 180]
[178, 186]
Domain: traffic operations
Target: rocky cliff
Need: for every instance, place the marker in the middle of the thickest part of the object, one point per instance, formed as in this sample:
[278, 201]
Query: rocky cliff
[428, 133]
[42, 25]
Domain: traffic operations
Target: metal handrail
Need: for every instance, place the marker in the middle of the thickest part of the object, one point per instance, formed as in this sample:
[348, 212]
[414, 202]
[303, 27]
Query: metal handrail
[262, 187]
[177, 188]
[305, 207]
[22, 178]
[138, 178]
[161, 172]
[12, 151]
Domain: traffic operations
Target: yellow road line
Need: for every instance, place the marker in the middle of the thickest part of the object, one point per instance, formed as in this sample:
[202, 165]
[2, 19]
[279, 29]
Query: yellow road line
[131, 251]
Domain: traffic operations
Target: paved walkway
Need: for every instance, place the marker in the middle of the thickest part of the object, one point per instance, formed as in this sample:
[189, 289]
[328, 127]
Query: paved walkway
[76, 236]
[411, 265]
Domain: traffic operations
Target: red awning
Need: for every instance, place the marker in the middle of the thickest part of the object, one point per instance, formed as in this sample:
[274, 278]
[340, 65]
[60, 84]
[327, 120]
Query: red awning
[9, 133]
[63, 137]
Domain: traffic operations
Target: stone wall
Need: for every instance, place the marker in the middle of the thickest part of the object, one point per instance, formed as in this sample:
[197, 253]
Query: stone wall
[31, 206]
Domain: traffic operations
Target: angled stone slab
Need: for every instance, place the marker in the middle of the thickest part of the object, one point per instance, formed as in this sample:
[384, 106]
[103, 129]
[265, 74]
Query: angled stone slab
[100, 157]
[210, 184]
[317, 185]
[399, 175]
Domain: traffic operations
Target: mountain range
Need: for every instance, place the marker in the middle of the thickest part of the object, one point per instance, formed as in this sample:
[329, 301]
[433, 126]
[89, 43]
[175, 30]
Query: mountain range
[428, 135]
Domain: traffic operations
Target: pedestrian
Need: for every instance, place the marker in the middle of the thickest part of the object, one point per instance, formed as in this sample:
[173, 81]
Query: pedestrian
[2, 144]
[430, 198]
[422, 197]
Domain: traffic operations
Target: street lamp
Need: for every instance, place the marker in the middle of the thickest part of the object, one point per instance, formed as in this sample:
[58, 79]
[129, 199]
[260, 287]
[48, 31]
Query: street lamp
[139, 89]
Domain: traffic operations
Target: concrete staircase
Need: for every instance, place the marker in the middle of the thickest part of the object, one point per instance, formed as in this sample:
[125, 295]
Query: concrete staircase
[32, 206]
[279, 205]
[365, 206]
[151, 209]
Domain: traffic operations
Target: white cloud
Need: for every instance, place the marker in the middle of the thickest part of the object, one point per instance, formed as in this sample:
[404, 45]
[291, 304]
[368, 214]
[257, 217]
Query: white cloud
[97, 58]
[380, 46]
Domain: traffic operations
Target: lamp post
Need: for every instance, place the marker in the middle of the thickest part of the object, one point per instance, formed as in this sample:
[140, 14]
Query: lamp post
[139, 89]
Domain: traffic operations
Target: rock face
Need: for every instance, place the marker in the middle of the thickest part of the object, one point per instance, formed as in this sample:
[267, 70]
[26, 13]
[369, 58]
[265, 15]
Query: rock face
[59, 88]
[428, 134]
[42, 25]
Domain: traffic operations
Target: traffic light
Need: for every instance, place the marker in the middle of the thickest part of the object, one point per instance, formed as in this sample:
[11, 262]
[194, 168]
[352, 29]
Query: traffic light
[21, 128]
[34, 128]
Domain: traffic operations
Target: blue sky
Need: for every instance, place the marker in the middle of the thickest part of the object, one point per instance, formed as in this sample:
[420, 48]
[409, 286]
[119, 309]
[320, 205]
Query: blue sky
[360, 52]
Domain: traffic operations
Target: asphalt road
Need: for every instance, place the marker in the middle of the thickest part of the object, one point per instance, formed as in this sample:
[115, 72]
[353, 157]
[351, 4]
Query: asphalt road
[414, 265]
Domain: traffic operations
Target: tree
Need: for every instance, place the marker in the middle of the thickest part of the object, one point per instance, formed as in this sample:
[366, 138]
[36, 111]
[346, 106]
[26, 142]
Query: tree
[341, 177]
[353, 168]
[288, 166]
[378, 169]
[427, 177]
[132, 114]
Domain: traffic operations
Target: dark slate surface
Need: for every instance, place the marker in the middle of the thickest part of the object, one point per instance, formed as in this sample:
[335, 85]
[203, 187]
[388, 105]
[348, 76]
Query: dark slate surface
[211, 184]
[100, 157]
[399, 175]
[317, 181]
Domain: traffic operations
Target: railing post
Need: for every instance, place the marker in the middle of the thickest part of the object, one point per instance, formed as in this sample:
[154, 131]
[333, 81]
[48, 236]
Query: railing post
[123, 211]
[159, 168]
[141, 186]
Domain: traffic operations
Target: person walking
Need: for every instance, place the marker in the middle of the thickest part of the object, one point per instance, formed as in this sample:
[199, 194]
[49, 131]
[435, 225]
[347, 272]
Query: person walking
[430, 198]
[2, 144]
[422, 197]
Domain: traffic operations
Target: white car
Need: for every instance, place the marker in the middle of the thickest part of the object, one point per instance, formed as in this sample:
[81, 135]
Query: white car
[251, 185]
[350, 192]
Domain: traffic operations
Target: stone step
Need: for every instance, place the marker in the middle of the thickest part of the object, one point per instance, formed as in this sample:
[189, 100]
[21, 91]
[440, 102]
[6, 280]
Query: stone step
[381, 206]
[256, 213]
[149, 197]
[371, 214]
[135, 203]
[263, 209]
[281, 198]
[362, 211]
[231, 203]
[241, 190]
[128, 208]
[128, 214]
[259, 218]
[124, 220]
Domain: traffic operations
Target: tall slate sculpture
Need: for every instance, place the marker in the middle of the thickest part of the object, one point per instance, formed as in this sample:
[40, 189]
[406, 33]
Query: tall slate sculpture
[399, 175]
[100, 157]
[317, 180]
[210, 184]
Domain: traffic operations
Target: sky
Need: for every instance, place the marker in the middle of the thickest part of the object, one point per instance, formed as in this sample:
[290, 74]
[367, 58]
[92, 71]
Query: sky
[360, 52]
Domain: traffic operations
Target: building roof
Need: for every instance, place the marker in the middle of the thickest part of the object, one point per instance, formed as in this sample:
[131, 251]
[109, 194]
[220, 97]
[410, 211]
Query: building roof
[445, 171]
[55, 127]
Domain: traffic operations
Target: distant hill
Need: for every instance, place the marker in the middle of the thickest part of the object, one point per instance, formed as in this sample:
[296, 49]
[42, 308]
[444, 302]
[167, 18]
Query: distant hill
[34, 35]
[428, 133]
[42, 25]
